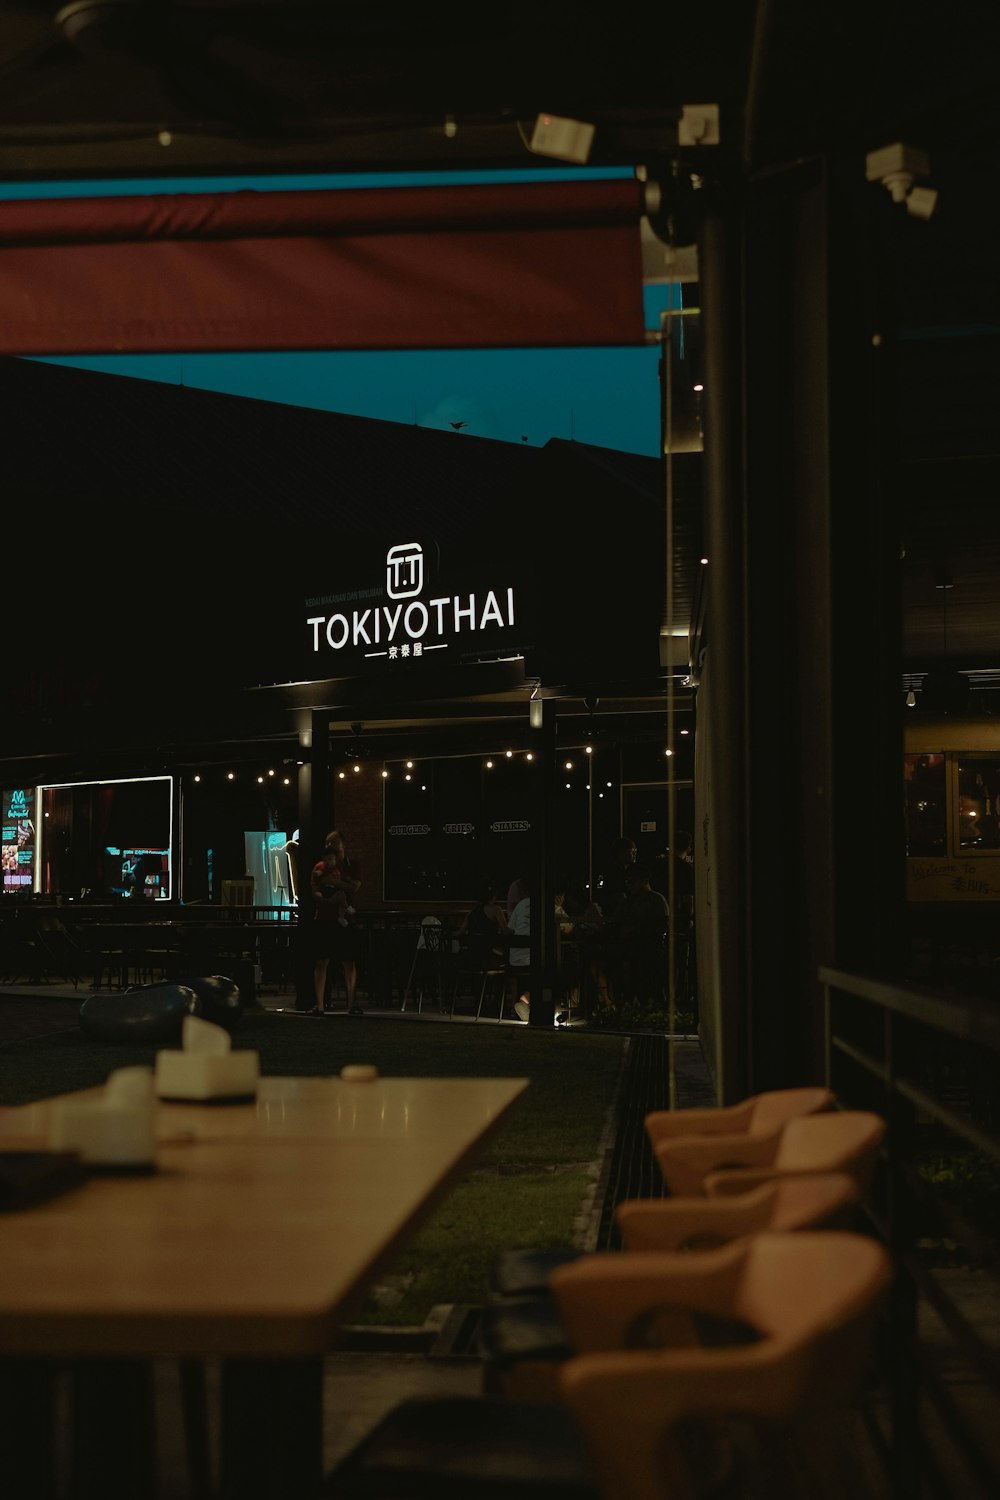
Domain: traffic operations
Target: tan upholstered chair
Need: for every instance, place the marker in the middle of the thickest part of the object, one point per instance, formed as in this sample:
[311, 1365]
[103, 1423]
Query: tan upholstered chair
[812, 1298]
[842, 1141]
[524, 1339]
[524, 1272]
[759, 1115]
[824, 1200]
[651, 1422]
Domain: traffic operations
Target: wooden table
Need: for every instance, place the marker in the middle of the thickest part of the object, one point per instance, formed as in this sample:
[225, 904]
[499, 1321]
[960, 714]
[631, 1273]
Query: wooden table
[261, 1230]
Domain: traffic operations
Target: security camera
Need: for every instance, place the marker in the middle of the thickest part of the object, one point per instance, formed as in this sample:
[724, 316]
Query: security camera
[897, 167]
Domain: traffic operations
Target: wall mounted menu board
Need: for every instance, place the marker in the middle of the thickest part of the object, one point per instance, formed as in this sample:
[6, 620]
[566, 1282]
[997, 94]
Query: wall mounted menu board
[18, 839]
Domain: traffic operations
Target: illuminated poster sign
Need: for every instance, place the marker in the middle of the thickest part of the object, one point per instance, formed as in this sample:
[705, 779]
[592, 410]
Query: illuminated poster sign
[18, 839]
[407, 609]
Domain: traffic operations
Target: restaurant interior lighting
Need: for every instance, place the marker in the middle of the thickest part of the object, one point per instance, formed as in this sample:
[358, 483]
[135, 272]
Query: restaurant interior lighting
[535, 713]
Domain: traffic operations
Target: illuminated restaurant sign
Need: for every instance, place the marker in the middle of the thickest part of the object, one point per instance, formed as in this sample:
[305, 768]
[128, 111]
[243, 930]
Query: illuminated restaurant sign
[18, 840]
[412, 613]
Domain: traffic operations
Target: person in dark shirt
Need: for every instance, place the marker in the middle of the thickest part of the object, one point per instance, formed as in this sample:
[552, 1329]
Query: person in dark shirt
[636, 940]
[485, 928]
[612, 887]
[334, 883]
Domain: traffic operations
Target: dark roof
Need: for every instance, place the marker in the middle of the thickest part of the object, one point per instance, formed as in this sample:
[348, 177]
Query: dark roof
[178, 530]
[169, 448]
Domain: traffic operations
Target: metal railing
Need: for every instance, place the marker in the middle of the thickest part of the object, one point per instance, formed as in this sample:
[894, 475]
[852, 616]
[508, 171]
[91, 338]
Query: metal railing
[930, 1064]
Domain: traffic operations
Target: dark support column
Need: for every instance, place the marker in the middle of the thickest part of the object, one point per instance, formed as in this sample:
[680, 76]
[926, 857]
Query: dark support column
[721, 744]
[113, 1430]
[315, 821]
[543, 933]
[27, 1428]
[272, 1429]
[825, 872]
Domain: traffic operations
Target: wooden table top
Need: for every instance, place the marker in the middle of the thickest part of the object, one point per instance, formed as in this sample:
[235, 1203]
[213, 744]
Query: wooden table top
[261, 1229]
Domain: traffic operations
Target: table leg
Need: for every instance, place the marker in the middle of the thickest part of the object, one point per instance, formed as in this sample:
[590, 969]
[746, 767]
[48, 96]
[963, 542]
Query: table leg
[113, 1429]
[27, 1428]
[272, 1429]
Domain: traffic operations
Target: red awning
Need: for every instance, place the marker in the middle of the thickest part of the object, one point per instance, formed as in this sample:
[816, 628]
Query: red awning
[536, 264]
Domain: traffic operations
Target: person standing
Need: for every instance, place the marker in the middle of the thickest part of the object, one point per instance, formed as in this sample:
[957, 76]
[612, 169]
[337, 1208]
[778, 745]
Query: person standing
[334, 884]
[613, 886]
[641, 927]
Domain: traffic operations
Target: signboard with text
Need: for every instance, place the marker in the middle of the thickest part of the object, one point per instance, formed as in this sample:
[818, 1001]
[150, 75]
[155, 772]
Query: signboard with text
[969, 879]
[18, 839]
[409, 604]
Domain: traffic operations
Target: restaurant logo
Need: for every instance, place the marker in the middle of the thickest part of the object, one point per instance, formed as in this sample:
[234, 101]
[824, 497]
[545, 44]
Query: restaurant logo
[404, 570]
[399, 622]
[18, 807]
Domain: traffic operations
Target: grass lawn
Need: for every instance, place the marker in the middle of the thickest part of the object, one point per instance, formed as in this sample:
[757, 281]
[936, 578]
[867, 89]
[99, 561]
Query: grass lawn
[528, 1188]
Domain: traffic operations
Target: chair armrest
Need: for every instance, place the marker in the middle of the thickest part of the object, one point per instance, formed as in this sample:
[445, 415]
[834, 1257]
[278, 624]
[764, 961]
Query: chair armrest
[690, 1223]
[604, 1298]
[686, 1163]
[666, 1124]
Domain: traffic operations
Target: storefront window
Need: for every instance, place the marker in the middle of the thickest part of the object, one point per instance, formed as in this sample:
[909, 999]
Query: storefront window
[978, 789]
